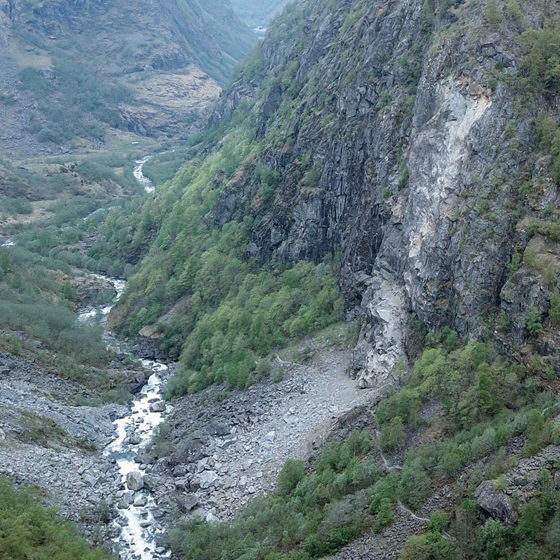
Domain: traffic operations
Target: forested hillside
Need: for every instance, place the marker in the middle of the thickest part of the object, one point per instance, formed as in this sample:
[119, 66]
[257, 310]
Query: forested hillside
[86, 89]
[404, 216]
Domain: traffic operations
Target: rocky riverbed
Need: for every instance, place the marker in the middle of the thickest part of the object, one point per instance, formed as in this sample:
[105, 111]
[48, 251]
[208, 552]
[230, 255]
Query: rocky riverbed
[219, 452]
[49, 441]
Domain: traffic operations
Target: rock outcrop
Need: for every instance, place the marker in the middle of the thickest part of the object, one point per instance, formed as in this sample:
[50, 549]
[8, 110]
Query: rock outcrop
[394, 144]
[495, 503]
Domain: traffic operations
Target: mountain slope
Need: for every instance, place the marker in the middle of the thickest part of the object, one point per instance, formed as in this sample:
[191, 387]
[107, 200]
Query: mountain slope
[413, 147]
[403, 139]
[399, 138]
[73, 70]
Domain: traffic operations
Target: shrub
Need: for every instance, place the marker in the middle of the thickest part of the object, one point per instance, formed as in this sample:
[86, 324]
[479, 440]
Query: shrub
[530, 520]
[493, 540]
[393, 435]
[414, 486]
[29, 530]
[530, 551]
[493, 12]
[385, 515]
[431, 546]
[534, 322]
[552, 536]
[291, 474]
[439, 521]
[513, 10]
[554, 310]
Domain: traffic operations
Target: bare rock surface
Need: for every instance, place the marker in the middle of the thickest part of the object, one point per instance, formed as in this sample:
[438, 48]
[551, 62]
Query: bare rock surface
[495, 502]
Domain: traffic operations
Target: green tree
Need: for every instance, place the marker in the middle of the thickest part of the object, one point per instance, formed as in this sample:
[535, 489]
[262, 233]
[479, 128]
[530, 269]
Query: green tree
[415, 484]
[393, 435]
[291, 474]
[530, 520]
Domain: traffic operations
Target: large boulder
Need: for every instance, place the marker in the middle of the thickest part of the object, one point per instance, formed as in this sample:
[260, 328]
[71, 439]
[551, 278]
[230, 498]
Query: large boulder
[216, 428]
[158, 406]
[205, 480]
[134, 481]
[187, 502]
[495, 503]
[188, 452]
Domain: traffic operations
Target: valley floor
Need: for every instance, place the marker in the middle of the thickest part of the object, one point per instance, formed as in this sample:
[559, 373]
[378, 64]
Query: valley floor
[226, 451]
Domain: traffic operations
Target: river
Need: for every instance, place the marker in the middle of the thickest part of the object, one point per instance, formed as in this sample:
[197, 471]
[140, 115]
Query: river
[137, 526]
[138, 529]
[139, 175]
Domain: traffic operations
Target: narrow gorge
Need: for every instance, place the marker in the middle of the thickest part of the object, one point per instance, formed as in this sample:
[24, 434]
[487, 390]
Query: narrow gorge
[328, 256]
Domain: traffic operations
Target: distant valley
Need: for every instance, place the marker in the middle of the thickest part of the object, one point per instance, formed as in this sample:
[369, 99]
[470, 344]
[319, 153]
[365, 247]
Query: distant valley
[84, 75]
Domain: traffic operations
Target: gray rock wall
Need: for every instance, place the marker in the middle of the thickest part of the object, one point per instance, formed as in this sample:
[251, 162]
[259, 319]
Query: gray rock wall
[416, 170]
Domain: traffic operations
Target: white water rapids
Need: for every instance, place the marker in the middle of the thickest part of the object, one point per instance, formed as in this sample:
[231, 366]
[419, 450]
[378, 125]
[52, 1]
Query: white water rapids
[139, 528]
[139, 175]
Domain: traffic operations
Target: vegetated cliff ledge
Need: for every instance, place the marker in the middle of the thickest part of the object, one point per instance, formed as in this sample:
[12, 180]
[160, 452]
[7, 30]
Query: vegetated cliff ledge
[402, 137]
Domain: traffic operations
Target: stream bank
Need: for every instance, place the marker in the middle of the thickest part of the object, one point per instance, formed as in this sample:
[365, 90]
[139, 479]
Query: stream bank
[80, 455]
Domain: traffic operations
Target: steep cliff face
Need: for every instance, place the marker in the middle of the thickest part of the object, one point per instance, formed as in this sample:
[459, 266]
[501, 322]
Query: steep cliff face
[413, 142]
[401, 136]
[71, 70]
